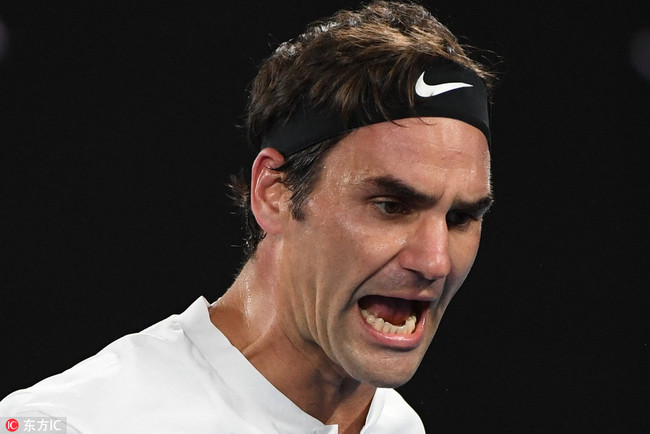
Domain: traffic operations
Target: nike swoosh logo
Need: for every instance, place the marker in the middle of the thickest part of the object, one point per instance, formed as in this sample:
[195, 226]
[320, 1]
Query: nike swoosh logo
[427, 90]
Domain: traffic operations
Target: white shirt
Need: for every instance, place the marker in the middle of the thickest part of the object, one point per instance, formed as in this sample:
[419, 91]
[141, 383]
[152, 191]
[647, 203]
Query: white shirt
[182, 375]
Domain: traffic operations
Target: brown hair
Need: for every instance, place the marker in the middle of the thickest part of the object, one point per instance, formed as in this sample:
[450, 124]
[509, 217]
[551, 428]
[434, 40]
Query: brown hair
[340, 63]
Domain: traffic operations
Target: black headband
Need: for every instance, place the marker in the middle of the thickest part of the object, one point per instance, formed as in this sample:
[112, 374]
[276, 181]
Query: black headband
[444, 89]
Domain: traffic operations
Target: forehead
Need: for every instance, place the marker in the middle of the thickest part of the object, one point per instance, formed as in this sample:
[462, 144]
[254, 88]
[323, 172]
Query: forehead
[423, 152]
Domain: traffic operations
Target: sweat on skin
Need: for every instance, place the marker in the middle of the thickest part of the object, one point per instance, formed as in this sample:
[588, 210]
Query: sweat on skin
[394, 239]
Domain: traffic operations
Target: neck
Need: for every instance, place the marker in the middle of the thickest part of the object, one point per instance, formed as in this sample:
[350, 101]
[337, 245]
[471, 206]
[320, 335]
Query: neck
[250, 314]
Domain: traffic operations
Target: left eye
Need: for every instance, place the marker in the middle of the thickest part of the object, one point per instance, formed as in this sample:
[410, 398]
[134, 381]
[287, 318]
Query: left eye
[458, 218]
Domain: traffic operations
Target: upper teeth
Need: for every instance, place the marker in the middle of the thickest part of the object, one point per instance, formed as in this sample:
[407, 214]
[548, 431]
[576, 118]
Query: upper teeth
[384, 326]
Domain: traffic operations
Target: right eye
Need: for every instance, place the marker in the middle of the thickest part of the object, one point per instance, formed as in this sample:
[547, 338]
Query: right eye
[391, 207]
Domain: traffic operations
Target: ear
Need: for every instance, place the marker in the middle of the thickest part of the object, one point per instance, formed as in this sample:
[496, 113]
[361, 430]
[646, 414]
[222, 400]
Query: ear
[268, 194]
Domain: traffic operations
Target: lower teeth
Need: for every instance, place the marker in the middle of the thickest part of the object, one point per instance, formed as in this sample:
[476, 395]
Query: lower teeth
[384, 326]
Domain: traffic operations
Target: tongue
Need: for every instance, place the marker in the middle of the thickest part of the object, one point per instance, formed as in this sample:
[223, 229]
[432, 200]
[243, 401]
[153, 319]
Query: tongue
[394, 310]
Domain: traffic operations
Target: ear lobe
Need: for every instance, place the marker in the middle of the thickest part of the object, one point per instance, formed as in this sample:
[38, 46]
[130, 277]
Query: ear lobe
[268, 193]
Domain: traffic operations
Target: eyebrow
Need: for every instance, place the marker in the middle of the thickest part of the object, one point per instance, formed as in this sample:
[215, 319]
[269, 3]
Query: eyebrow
[475, 208]
[390, 186]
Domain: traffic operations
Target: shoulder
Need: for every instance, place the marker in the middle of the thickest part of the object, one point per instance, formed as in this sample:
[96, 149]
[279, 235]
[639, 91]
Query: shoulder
[158, 369]
[114, 364]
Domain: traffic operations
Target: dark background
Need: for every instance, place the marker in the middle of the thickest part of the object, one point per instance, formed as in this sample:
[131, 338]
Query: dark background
[118, 133]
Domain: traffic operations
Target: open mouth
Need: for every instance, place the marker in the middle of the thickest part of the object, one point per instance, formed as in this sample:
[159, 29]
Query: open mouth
[391, 315]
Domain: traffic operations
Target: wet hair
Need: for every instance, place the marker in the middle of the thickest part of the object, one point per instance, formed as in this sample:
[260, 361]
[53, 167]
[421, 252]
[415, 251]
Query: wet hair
[342, 64]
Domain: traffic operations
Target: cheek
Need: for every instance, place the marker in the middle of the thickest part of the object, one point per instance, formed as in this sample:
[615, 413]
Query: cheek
[349, 252]
[365, 243]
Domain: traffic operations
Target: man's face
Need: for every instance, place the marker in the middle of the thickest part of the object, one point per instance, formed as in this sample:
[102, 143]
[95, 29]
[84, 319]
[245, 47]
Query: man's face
[390, 232]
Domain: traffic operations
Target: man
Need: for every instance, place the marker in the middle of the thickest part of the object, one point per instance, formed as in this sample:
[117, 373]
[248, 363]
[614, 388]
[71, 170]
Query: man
[364, 216]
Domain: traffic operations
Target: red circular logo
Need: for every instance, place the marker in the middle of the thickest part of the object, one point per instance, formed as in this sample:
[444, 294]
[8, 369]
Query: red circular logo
[12, 425]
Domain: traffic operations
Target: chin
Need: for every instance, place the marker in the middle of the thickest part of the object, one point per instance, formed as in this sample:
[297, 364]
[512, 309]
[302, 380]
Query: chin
[385, 374]
[392, 381]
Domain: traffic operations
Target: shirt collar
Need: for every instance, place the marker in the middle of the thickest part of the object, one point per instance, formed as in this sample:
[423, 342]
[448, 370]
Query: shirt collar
[249, 392]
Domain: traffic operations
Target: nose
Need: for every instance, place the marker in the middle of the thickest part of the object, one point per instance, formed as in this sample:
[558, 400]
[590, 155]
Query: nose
[426, 250]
